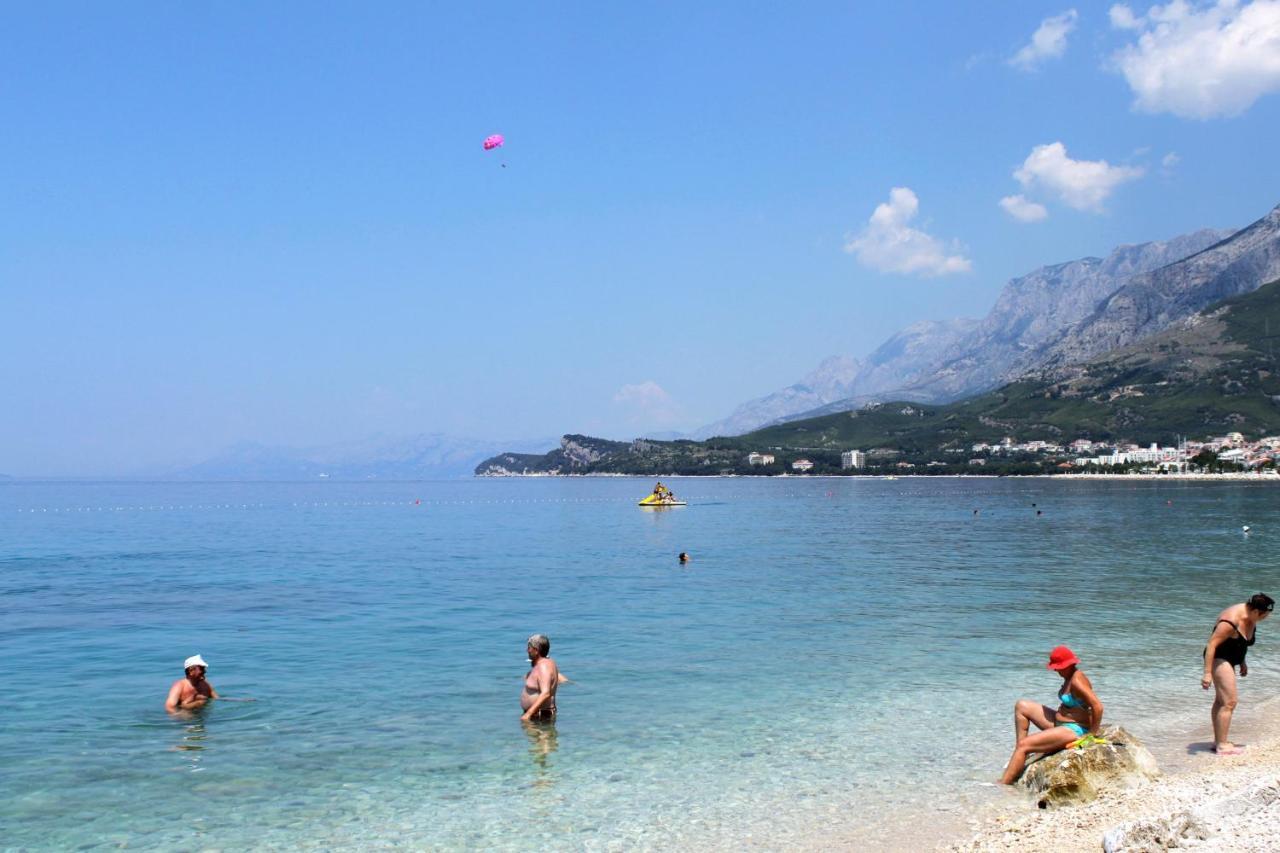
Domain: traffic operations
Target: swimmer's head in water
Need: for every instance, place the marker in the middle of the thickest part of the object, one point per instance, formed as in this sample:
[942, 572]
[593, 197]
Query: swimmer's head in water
[684, 558]
[540, 643]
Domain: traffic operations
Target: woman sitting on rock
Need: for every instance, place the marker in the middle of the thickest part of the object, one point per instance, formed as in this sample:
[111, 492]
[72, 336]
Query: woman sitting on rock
[1079, 713]
[1234, 632]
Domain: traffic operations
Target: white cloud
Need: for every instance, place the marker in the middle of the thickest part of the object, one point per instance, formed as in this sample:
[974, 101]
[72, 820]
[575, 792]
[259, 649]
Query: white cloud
[646, 395]
[1082, 184]
[647, 405]
[1170, 160]
[1122, 18]
[1200, 61]
[1023, 209]
[888, 244]
[1049, 41]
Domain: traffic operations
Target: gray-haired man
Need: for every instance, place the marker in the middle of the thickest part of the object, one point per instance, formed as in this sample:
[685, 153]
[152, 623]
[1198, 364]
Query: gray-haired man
[538, 699]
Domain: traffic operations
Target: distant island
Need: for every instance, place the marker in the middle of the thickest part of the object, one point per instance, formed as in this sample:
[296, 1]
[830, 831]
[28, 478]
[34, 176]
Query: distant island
[1203, 395]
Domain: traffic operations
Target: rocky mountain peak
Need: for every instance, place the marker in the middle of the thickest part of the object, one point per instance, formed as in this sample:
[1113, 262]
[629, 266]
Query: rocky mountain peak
[937, 361]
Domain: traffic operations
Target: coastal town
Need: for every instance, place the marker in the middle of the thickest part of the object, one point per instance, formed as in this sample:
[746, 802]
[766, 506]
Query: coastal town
[1228, 453]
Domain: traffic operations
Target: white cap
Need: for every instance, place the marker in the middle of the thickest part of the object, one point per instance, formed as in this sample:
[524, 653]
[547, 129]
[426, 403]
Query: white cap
[194, 660]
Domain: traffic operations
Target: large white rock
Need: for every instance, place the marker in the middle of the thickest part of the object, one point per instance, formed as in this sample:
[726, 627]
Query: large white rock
[1077, 775]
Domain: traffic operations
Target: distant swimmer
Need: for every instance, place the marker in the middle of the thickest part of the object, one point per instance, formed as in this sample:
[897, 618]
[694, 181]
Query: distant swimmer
[538, 699]
[1039, 512]
[975, 512]
[191, 691]
[1079, 712]
[684, 557]
[1245, 529]
[1234, 632]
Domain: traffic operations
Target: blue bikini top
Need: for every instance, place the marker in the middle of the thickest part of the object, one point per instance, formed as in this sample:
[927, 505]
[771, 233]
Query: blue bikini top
[1069, 701]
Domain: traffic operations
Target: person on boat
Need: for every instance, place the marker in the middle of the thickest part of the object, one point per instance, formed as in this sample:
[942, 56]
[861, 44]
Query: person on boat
[538, 699]
[191, 691]
[1234, 632]
[1079, 712]
[660, 491]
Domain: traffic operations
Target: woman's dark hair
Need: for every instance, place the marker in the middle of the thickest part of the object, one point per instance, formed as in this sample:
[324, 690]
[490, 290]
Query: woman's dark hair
[1261, 603]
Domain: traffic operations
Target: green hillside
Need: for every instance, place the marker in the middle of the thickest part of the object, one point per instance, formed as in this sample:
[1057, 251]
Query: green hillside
[1215, 373]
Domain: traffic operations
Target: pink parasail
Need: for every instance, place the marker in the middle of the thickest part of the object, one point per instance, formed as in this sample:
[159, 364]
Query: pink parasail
[492, 142]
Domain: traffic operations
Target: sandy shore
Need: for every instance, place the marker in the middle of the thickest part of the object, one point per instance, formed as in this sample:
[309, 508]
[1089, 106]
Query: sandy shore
[1213, 802]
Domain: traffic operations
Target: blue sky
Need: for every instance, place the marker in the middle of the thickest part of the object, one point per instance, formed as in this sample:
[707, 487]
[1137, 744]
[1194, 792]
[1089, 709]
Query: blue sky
[226, 222]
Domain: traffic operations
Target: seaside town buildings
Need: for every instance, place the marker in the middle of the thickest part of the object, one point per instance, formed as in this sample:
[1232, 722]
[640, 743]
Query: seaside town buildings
[1081, 454]
[1084, 453]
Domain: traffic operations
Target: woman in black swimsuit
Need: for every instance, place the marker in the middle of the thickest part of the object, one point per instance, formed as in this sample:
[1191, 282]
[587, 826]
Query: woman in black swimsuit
[1235, 631]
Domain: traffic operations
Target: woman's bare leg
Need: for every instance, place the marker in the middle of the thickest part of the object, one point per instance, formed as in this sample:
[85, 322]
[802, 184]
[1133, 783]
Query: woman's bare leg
[1048, 741]
[1224, 703]
[1026, 712]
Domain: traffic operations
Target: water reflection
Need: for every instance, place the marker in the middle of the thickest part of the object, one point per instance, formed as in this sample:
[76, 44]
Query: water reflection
[543, 741]
[193, 740]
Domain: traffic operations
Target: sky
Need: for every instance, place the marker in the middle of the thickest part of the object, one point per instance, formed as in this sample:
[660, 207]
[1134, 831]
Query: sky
[276, 223]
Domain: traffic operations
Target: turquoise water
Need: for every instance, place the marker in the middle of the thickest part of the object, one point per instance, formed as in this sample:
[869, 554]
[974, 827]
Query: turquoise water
[838, 661]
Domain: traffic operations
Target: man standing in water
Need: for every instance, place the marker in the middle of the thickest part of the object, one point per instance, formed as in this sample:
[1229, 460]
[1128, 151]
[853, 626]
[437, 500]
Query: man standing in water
[538, 699]
[192, 691]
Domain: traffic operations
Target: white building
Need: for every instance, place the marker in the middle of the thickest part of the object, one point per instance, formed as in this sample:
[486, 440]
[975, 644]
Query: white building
[853, 459]
[759, 459]
[1132, 454]
[801, 465]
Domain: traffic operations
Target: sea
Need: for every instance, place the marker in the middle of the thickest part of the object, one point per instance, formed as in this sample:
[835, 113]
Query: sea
[836, 665]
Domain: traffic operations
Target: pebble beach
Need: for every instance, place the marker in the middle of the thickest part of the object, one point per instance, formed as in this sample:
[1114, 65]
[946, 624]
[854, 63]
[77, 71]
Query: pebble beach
[1203, 801]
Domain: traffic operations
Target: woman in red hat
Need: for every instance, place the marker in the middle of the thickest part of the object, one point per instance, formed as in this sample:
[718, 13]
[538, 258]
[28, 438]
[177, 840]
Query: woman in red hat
[1079, 712]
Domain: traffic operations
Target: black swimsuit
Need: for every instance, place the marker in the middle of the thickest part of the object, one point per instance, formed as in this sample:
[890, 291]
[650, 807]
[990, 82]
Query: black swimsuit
[1233, 650]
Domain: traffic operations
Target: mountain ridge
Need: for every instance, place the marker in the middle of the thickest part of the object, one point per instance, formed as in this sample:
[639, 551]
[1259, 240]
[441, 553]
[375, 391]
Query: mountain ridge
[940, 361]
[1213, 372]
[412, 457]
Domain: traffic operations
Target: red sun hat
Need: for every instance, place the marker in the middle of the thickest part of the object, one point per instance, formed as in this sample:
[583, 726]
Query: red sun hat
[1061, 658]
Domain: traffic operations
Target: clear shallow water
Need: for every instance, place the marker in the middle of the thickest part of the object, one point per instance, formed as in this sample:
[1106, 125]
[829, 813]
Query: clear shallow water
[838, 661]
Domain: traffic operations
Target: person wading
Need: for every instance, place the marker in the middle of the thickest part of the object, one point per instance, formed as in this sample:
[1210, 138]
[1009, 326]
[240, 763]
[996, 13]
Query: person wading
[1234, 632]
[538, 699]
[193, 691]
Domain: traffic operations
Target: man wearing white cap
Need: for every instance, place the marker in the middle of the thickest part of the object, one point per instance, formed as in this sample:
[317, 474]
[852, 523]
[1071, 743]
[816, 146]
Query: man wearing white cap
[192, 691]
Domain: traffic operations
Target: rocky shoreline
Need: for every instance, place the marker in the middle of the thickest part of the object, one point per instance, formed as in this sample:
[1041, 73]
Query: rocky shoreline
[1216, 803]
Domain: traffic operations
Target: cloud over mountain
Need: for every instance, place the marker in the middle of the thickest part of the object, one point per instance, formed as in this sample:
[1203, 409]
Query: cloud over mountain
[1049, 41]
[889, 244]
[1081, 184]
[647, 404]
[1200, 62]
[1023, 209]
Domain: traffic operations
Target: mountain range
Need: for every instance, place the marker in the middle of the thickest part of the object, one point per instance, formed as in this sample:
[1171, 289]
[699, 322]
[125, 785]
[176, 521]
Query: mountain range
[1053, 314]
[1212, 372]
[417, 457]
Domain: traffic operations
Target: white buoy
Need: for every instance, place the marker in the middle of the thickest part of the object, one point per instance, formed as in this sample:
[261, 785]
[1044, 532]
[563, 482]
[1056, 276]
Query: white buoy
[1245, 528]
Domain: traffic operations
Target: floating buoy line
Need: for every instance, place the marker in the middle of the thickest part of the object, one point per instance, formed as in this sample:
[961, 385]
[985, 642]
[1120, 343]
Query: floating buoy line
[416, 503]
[422, 503]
